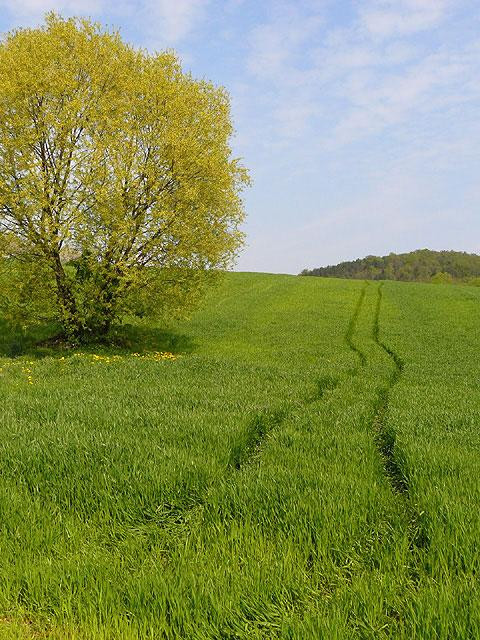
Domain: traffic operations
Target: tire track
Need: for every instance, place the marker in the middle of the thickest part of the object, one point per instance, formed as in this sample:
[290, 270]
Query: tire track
[394, 466]
[393, 461]
[386, 437]
[248, 448]
[351, 331]
[250, 445]
[180, 518]
[328, 383]
[385, 434]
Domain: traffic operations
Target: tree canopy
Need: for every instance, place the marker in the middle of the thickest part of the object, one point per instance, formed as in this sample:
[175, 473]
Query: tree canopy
[118, 190]
[422, 265]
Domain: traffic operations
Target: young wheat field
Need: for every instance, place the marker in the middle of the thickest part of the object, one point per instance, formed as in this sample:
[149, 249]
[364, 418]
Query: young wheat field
[299, 461]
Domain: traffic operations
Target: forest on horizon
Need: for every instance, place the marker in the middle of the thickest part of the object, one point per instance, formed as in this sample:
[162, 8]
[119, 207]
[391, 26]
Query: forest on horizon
[421, 265]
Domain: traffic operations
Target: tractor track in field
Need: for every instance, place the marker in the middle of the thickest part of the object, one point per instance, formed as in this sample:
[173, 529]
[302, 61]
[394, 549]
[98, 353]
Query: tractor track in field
[264, 423]
[248, 449]
[385, 436]
[393, 463]
[258, 429]
[352, 326]
[385, 440]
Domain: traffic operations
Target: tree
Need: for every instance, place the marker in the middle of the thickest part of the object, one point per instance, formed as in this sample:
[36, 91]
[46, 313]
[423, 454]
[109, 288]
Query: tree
[117, 184]
[442, 278]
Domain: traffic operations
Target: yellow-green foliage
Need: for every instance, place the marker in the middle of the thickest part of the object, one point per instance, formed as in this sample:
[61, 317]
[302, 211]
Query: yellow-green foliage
[117, 163]
[441, 277]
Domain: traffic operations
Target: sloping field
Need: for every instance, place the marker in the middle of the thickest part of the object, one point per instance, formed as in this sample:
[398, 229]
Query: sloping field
[305, 466]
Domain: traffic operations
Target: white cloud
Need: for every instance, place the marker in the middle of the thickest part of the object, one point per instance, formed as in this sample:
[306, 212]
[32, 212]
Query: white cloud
[276, 46]
[167, 22]
[364, 128]
[386, 18]
[292, 117]
[279, 61]
[380, 100]
[31, 11]
[360, 79]
[161, 22]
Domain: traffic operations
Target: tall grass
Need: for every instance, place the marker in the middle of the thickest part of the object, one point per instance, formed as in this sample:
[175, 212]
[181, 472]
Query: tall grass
[242, 489]
[435, 413]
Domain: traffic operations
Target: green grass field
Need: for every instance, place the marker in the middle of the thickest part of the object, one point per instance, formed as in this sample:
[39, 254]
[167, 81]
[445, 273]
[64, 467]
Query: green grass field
[306, 466]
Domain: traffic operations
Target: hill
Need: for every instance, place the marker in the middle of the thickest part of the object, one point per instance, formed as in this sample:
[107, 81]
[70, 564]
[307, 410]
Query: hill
[298, 461]
[420, 265]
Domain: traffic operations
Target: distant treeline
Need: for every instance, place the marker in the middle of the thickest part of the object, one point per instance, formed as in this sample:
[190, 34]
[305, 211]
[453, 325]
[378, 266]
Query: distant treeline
[422, 265]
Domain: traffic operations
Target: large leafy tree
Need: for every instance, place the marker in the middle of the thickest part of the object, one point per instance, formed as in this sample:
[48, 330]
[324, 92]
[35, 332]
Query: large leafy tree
[118, 191]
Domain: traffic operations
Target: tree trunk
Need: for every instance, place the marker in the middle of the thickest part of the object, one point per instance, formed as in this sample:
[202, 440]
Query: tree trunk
[65, 298]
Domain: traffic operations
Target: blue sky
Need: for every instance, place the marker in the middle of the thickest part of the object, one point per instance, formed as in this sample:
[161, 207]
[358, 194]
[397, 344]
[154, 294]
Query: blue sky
[359, 121]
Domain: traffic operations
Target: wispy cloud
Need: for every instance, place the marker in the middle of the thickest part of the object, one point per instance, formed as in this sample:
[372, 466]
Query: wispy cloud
[168, 22]
[380, 100]
[276, 46]
[386, 18]
[375, 115]
[162, 23]
[31, 11]
[363, 77]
